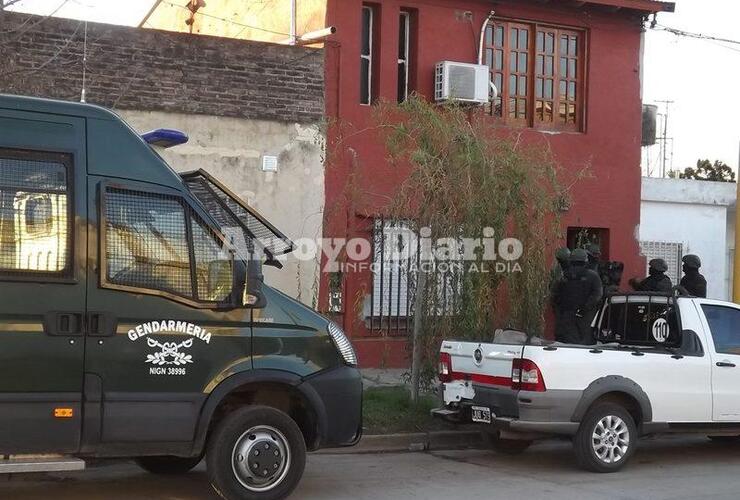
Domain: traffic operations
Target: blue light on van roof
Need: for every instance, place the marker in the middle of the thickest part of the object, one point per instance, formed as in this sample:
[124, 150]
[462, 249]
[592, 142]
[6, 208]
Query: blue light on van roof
[165, 137]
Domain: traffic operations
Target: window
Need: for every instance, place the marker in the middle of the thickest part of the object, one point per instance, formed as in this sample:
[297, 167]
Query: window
[366, 55]
[640, 320]
[670, 252]
[35, 224]
[404, 41]
[153, 242]
[724, 323]
[538, 73]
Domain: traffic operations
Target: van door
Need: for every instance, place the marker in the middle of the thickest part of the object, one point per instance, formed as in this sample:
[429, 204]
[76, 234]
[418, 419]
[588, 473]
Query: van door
[160, 338]
[43, 280]
[723, 327]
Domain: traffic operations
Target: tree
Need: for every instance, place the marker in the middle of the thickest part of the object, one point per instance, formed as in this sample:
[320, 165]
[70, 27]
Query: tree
[706, 171]
[7, 3]
[465, 177]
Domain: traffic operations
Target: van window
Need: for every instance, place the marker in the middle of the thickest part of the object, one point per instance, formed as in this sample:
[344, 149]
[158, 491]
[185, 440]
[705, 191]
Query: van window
[724, 323]
[146, 242]
[35, 232]
[156, 242]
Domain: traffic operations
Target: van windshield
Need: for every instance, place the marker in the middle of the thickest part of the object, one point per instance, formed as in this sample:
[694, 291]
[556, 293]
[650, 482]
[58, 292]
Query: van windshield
[245, 229]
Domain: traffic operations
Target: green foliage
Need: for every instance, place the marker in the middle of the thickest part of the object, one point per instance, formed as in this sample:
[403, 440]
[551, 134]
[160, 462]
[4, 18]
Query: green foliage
[389, 410]
[465, 174]
[706, 171]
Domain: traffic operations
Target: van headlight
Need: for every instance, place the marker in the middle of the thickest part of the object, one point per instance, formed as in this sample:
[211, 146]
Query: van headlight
[344, 346]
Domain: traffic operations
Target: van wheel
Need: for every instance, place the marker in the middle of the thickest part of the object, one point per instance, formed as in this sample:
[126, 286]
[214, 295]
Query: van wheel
[606, 438]
[506, 446]
[256, 452]
[168, 465]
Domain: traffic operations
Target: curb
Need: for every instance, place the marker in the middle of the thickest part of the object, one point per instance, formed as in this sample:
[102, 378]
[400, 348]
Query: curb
[412, 442]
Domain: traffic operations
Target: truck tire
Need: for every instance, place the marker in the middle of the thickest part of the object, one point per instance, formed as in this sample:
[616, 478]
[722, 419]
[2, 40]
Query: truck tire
[606, 438]
[168, 465]
[506, 446]
[256, 452]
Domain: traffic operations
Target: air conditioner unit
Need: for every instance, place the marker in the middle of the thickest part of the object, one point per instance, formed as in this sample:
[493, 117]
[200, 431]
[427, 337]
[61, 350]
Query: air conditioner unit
[462, 82]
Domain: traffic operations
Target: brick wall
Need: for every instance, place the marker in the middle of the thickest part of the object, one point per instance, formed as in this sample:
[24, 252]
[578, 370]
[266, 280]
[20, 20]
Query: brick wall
[129, 68]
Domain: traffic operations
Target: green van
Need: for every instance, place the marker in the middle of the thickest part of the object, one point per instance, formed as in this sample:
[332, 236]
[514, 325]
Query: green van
[134, 320]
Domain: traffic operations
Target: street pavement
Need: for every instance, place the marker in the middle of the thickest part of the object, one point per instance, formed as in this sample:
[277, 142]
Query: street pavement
[663, 468]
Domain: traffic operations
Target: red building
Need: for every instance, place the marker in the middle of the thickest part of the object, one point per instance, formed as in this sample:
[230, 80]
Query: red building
[568, 72]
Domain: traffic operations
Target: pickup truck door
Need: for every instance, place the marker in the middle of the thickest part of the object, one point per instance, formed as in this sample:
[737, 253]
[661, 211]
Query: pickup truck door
[42, 275]
[722, 325]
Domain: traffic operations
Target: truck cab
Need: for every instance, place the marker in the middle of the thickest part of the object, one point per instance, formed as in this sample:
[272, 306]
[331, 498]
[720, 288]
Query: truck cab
[135, 320]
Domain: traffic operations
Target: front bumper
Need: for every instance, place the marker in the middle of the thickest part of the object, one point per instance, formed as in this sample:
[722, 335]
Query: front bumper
[340, 391]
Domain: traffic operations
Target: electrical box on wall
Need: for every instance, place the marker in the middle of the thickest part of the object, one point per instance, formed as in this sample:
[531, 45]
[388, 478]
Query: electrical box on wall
[463, 82]
[269, 163]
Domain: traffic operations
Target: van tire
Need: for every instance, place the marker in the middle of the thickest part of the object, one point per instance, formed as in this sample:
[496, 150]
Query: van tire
[168, 465]
[614, 421]
[239, 438]
[506, 446]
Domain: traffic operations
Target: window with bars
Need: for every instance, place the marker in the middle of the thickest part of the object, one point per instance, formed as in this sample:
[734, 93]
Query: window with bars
[35, 223]
[670, 252]
[538, 71]
[366, 54]
[155, 242]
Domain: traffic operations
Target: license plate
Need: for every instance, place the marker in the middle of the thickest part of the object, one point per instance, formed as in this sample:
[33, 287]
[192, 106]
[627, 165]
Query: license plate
[481, 414]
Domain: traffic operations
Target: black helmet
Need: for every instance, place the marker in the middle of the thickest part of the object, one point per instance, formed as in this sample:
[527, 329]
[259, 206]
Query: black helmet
[579, 255]
[692, 261]
[658, 265]
[593, 250]
[563, 254]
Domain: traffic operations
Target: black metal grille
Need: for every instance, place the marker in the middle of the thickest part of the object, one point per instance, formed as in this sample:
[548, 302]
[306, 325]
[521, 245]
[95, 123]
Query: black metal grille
[147, 242]
[242, 223]
[35, 229]
[213, 266]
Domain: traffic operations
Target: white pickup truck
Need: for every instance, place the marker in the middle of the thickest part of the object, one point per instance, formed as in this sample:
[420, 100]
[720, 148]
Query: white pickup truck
[661, 364]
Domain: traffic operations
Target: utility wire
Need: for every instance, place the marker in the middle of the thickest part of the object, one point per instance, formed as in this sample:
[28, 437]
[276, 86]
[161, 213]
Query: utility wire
[223, 19]
[689, 34]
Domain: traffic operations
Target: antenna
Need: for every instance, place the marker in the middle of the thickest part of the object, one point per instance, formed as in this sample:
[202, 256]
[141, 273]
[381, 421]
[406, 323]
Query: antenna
[84, 65]
[664, 139]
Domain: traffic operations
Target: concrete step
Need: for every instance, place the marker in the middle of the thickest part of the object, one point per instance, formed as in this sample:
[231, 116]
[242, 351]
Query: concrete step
[19, 464]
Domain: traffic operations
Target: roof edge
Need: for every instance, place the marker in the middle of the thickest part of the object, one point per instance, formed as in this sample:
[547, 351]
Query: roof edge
[640, 5]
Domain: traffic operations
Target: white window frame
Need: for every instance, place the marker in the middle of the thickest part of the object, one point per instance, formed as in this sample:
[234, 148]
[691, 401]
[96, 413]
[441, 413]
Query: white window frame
[369, 56]
[405, 19]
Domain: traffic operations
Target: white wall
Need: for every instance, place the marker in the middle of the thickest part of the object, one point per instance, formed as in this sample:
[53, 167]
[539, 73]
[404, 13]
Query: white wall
[694, 213]
[231, 149]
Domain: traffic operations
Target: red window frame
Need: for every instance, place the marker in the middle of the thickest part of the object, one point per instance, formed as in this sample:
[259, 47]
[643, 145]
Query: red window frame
[540, 75]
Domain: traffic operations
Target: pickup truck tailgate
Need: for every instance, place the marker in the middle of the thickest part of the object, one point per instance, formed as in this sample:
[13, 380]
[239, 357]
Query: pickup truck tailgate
[487, 364]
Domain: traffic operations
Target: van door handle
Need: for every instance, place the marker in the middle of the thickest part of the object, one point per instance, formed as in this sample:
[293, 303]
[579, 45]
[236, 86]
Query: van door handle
[725, 364]
[101, 324]
[64, 324]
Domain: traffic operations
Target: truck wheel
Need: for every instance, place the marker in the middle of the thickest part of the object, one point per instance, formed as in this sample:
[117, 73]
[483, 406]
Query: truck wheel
[606, 438]
[256, 452]
[168, 464]
[506, 446]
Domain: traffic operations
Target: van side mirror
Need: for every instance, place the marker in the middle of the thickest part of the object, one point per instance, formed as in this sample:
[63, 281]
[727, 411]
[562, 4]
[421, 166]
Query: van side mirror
[250, 293]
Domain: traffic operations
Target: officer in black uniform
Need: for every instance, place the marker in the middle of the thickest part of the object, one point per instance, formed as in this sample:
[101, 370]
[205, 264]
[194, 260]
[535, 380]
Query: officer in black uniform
[562, 263]
[692, 279]
[576, 300]
[656, 281]
[594, 256]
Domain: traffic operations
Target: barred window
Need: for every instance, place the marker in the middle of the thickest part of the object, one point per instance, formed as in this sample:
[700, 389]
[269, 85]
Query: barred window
[671, 252]
[213, 266]
[146, 242]
[157, 242]
[35, 231]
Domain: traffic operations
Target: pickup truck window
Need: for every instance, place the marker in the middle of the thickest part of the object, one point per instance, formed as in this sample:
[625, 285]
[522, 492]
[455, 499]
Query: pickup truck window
[35, 233]
[638, 320]
[724, 324]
